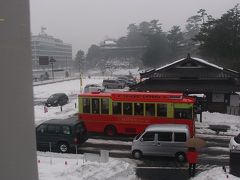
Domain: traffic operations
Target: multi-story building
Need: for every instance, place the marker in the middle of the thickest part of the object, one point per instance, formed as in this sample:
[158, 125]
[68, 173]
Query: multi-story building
[45, 45]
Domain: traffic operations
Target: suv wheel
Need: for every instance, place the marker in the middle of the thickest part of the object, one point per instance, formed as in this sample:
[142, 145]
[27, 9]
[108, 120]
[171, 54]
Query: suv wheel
[180, 156]
[137, 154]
[110, 130]
[63, 147]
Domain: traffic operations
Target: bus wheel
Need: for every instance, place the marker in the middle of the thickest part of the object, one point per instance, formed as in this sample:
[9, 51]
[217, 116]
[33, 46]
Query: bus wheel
[110, 130]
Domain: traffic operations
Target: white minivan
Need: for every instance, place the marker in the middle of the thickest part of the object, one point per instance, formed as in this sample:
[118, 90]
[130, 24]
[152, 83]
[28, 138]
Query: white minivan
[162, 140]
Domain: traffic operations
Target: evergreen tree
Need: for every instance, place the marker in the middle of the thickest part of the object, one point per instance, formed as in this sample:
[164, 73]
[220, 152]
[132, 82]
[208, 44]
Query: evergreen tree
[175, 37]
[157, 52]
[80, 60]
[220, 39]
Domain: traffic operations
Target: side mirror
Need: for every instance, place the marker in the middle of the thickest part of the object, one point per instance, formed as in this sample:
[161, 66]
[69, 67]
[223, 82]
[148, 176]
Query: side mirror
[141, 139]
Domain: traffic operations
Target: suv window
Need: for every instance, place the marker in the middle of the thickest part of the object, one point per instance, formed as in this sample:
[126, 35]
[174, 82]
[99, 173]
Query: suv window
[164, 136]
[180, 137]
[148, 136]
[42, 129]
[53, 129]
[66, 130]
[79, 129]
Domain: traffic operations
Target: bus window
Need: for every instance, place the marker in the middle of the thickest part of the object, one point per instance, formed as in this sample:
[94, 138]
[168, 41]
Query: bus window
[95, 106]
[183, 113]
[104, 106]
[127, 108]
[86, 105]
[117, 108]
[138, 109]
[162, 110]
[150, 109]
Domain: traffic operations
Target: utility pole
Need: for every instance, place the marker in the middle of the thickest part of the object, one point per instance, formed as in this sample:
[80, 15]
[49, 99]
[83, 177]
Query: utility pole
[52, 61]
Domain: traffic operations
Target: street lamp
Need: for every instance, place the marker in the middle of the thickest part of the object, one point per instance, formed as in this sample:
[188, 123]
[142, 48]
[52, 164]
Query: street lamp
[52, 61]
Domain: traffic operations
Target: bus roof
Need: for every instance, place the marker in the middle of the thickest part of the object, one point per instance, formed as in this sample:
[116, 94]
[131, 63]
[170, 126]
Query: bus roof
[142, 96]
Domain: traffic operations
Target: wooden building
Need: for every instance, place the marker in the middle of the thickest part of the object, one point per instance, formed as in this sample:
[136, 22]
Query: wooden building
[196, 76]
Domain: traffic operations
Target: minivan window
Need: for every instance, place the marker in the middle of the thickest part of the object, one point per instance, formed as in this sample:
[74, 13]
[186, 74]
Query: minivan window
[148, 136]
[138, 136]
[180, 137]
[164, 136]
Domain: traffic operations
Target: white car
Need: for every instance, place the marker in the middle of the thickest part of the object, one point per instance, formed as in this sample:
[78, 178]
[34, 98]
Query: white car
[234, 144]
[93, 88]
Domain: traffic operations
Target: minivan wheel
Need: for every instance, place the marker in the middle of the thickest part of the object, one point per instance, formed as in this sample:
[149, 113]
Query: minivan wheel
[63, 147]
[180, 156]
[137, 154]
[110, 131]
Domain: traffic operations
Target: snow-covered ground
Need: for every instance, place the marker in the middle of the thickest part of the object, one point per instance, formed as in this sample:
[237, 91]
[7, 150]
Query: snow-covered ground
[72, 167]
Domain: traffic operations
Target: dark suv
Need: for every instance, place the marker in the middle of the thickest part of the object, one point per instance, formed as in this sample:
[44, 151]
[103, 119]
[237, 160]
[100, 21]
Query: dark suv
[60, 134]
[58, 99]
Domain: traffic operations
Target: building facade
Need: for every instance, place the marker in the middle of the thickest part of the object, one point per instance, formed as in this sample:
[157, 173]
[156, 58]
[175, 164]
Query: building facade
[45, 45]
[196, 76]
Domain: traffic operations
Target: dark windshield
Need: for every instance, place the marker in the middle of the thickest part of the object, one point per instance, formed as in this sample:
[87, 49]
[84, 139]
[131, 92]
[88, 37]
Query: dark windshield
[138, 136]
[237, 139]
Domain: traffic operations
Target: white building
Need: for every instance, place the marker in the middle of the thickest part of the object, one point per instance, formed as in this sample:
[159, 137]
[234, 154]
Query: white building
[45, 45]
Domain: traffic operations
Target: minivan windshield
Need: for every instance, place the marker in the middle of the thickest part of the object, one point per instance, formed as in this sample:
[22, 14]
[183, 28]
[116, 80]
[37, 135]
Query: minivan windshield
[138, 136]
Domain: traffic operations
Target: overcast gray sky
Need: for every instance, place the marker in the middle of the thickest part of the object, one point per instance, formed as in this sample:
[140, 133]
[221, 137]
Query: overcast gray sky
[85, 22]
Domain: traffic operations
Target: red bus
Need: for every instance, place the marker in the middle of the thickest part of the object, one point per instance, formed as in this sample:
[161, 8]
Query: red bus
[132, 112]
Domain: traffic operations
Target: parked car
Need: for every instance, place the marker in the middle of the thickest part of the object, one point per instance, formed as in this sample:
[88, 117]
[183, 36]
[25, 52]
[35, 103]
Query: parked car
[93, 88]
[113, 83]
[58, 99]
[61, 134]
[128, 81]
[162, 140]
[234, 145]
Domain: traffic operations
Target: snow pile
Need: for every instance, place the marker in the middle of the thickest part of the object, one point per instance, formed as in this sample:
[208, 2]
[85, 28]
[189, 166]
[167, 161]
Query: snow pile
[215, 173]
[75, 169]
[219, 119]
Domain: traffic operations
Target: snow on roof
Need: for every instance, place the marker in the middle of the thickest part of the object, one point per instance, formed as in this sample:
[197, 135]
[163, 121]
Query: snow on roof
[109, 42]
[170, 64]
[194, 58]
[207, 63]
